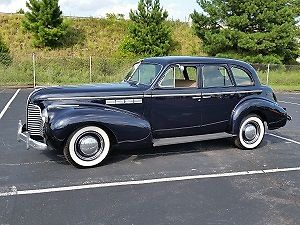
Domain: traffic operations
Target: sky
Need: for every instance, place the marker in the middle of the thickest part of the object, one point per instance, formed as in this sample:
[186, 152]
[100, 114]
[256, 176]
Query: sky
[178, 9]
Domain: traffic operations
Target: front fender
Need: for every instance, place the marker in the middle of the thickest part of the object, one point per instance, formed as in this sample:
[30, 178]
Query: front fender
[274, 115]
[123, 125]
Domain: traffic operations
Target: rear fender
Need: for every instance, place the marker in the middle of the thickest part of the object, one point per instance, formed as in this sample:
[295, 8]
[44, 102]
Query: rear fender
[274, 115]
[125, 126]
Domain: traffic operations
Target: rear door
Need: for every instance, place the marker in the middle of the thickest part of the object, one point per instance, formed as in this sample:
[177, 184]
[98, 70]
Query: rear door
[219, 97]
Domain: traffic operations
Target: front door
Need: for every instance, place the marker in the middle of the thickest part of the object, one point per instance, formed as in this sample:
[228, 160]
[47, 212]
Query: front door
[175, 103]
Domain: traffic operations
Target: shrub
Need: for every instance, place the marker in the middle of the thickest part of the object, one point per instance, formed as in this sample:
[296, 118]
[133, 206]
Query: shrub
[5, 58]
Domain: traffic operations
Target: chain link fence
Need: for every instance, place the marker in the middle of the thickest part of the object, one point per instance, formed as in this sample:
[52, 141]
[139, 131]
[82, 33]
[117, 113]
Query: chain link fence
[35, 70]
[279, 75]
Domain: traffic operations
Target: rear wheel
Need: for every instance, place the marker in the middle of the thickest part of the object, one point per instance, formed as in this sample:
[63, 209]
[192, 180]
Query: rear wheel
[87, 147]
[251, 132]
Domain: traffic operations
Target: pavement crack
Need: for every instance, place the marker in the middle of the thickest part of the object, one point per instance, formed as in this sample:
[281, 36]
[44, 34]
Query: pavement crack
[31, 163]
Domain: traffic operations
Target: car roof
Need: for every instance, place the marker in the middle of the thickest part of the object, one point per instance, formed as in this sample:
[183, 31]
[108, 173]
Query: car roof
[192, 59]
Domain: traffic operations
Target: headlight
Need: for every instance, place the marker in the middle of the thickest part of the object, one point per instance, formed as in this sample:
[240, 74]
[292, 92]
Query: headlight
[45, 115]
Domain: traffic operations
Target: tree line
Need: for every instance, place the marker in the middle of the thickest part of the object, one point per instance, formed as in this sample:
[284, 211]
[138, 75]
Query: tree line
[257, 31]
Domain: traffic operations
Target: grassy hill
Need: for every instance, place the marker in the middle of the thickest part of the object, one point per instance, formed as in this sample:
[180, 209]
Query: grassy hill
[91, 37]
[95, 37]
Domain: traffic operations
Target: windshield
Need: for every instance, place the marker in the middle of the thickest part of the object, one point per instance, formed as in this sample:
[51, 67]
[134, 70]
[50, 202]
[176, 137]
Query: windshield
[143, 73]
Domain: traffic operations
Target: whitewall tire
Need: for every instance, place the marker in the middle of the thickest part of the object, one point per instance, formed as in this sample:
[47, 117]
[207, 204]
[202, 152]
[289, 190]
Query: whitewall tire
[87, 147]
[251, 132]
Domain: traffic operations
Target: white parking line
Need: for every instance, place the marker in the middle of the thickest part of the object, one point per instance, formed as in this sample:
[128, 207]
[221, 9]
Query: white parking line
[13, 190]
[292, 103]
[283, 138]
[8, 104]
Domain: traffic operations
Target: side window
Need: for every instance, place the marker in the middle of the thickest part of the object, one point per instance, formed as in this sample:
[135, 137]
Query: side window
[169, 79]
[241, 77]
[180, 77]
[145, 73]
[216, 76]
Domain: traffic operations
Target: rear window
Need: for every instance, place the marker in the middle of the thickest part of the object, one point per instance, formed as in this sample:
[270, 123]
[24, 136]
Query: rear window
[241, 77]
[215, 76]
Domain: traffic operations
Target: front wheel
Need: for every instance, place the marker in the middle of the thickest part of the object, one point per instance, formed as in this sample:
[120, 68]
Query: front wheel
[251, 132]
[87, 147]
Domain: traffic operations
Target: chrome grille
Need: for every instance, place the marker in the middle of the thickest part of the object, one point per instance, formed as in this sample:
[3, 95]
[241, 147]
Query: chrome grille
[34, 120]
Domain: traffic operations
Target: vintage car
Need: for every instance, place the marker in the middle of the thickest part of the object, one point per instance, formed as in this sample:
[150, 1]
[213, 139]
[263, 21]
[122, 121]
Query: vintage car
[161, 100]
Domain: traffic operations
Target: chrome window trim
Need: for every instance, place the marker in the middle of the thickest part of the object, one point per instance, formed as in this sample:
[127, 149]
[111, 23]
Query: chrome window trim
[195, 95]
[246, 71]
[164, 76]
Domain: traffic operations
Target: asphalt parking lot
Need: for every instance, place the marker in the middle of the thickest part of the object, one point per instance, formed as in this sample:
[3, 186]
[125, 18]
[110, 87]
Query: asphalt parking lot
[208, 182]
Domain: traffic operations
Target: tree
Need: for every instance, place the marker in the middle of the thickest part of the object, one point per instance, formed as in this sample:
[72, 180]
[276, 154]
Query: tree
[256, 31]
[148, 33]
[20, 11]
[5, 58]
[113, 16]
[45, 21]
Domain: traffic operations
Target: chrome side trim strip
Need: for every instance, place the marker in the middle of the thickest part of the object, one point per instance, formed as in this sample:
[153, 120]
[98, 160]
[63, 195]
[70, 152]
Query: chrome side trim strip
[172, 95]
[231, 92]
[153, 95]
[61, 106]
[197, 126]
[94, 97]
[124, 101]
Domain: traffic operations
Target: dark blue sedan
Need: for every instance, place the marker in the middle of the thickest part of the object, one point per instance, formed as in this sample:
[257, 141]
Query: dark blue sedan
[161, 100]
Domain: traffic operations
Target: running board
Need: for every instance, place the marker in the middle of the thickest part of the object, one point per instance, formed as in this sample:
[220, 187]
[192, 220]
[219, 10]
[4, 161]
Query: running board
[189, 139]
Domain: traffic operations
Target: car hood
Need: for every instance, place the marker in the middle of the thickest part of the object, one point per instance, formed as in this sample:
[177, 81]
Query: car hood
[86, 91]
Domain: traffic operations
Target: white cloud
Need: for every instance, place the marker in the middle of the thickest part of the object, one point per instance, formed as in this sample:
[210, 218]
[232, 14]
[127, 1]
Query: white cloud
[177, 9]
[11, 6]
[121, 8]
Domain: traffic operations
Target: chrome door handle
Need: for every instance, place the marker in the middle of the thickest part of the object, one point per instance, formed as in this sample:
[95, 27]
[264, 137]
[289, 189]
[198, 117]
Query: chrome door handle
[198, 97]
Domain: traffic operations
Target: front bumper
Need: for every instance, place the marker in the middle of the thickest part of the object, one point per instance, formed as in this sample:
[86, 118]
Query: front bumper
[25, 137]
[288, 117]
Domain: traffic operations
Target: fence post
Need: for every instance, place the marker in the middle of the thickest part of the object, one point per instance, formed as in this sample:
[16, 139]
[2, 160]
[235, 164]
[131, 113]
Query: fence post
[268, 74]
[33, 65]
[90, 69]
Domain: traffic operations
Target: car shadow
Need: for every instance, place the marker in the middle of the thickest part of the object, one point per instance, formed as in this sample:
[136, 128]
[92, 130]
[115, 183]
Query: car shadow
[119, 154]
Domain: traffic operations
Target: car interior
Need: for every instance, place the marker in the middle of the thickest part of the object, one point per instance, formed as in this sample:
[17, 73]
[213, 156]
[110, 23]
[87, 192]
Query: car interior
[180, 77]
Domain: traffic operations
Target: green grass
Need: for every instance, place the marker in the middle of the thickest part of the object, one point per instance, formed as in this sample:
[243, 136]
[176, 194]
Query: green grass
[65, 70]
[76, 70]
[282, 80]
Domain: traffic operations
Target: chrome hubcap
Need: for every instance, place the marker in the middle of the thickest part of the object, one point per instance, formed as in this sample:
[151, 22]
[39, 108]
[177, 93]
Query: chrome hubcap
[88, 145]
[250, 132]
